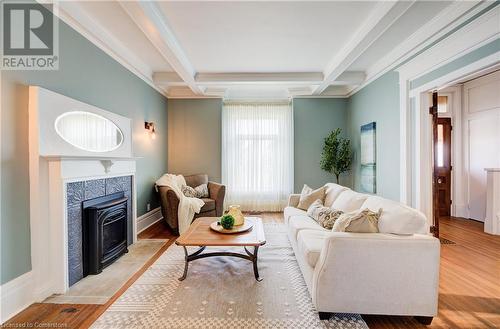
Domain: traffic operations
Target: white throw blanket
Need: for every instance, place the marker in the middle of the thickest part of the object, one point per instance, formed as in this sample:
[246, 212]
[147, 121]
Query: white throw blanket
[187, 206]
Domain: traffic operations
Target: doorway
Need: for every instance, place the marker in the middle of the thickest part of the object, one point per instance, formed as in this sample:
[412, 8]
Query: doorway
[441, 146]
[442, 167]
[465, 140]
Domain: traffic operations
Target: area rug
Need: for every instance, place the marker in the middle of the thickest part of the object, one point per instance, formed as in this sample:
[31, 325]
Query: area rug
[221, 292]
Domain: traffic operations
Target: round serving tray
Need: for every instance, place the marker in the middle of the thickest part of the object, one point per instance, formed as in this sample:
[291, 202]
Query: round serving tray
[236, 229]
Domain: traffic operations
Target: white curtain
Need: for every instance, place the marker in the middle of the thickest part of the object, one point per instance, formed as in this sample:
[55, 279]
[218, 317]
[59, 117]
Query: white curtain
[257, 154]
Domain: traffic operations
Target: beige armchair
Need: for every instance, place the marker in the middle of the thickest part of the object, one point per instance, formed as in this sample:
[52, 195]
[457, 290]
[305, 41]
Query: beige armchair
[213, 207]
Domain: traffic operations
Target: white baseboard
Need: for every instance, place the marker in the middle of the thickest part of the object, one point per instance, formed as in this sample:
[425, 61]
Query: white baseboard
[148, 219]
[15, 296]
[461, 211]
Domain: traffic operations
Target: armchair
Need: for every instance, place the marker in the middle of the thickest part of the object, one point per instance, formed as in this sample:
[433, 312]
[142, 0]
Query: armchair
[213, 207]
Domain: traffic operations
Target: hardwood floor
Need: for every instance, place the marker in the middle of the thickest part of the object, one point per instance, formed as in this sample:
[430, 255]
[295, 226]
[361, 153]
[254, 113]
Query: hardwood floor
[469, 289]
[469, 285]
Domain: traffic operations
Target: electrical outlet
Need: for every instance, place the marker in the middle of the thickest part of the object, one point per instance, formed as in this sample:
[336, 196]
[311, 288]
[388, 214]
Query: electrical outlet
[148, 207]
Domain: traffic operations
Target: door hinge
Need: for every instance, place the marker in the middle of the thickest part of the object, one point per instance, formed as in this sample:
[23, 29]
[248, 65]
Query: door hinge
[451, 168]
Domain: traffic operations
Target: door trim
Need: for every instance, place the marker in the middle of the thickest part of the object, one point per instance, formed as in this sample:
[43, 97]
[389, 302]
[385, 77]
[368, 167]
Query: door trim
[474, 35]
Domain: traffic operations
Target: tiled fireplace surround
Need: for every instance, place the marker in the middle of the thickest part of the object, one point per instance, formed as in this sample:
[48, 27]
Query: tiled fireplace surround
[76, 193]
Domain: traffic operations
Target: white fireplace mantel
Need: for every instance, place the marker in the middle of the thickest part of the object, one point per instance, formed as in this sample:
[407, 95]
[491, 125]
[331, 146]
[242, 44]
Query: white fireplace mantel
[49, 176]
[55, 240]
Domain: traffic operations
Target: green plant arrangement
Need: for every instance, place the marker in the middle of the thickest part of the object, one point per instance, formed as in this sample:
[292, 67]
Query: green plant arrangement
[227, 222]
[336, 157]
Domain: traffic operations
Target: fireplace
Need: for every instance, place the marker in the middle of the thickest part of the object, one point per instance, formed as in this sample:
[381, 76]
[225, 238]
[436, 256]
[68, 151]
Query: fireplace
[104, 231]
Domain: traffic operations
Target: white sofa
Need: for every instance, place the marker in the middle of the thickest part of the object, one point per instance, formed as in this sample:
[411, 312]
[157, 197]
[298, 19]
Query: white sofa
[394, 272]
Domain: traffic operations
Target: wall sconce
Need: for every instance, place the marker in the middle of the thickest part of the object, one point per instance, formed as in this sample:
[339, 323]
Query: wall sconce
[151, 127]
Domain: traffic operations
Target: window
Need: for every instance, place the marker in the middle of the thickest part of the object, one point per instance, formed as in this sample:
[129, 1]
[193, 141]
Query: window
[442, 104]
[257, 154]
[440, 146]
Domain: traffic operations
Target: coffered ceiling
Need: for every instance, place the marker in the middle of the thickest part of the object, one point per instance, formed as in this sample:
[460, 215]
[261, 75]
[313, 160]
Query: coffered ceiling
[262, 49]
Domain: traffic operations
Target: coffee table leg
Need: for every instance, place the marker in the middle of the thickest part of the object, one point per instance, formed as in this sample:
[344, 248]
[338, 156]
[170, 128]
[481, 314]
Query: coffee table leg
[185, 265]
[254, 261]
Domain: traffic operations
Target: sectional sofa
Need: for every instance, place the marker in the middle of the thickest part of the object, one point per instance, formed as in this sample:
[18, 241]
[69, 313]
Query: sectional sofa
[393, 272]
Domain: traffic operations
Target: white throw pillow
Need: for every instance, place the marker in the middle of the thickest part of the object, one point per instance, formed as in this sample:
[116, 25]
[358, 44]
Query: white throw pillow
[332, 193]
[349, 201]
[396, 217]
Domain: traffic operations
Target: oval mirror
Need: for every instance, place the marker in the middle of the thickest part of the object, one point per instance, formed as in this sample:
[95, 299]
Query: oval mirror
[89, 131]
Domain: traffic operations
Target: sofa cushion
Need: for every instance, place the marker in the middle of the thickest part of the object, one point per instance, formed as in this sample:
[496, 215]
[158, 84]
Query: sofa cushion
[299, 223]
[397, 218]
[349, 200]
[292, 211]
[309, 245]
[208, 206]
[332, 192]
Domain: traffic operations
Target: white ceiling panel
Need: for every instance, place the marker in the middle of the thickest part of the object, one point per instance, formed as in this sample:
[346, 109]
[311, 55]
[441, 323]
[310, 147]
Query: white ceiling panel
[263, 36]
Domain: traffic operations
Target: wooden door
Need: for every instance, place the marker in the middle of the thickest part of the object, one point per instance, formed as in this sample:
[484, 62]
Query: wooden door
[433, 111]
[442, 166]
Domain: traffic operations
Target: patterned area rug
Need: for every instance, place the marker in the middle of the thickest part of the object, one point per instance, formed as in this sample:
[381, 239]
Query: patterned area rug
[221, 292]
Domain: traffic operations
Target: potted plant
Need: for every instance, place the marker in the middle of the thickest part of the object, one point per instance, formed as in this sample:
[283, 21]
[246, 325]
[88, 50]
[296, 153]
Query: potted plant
[336, 157]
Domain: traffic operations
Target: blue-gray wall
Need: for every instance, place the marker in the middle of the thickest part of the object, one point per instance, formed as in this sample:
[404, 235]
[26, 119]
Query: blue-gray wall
[89, 75]
[379, 102]
[195, 137]
[313, 120]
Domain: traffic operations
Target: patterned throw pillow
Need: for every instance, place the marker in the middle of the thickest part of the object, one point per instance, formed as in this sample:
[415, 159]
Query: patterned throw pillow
[358, 221]
[325, 216]
[200, 191]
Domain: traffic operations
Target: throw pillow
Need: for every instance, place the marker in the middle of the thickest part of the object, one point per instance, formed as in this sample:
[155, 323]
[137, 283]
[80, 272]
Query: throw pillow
[325, 216]
[308, 196]
[203, 190]
[358, 221]
[200, 191]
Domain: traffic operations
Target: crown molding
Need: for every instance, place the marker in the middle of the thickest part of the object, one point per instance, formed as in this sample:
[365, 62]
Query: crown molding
[385, 15]
[151, 21]
[79, 20]
[441, 25]
[476, 34]
[320, 96]
[349, 78]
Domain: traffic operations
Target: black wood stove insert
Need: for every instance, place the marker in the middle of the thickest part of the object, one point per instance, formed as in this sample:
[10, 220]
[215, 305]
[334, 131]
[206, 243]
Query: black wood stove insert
[104, 231]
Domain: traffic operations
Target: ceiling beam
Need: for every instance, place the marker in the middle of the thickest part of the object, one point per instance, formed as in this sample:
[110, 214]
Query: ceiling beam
[149, 18]
[167, 79]
[350, 78]
[259, 78]
[384, 15]
[447, 20]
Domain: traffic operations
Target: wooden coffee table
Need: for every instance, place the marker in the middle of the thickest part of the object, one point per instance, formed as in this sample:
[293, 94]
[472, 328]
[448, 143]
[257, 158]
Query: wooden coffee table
[200, 235]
